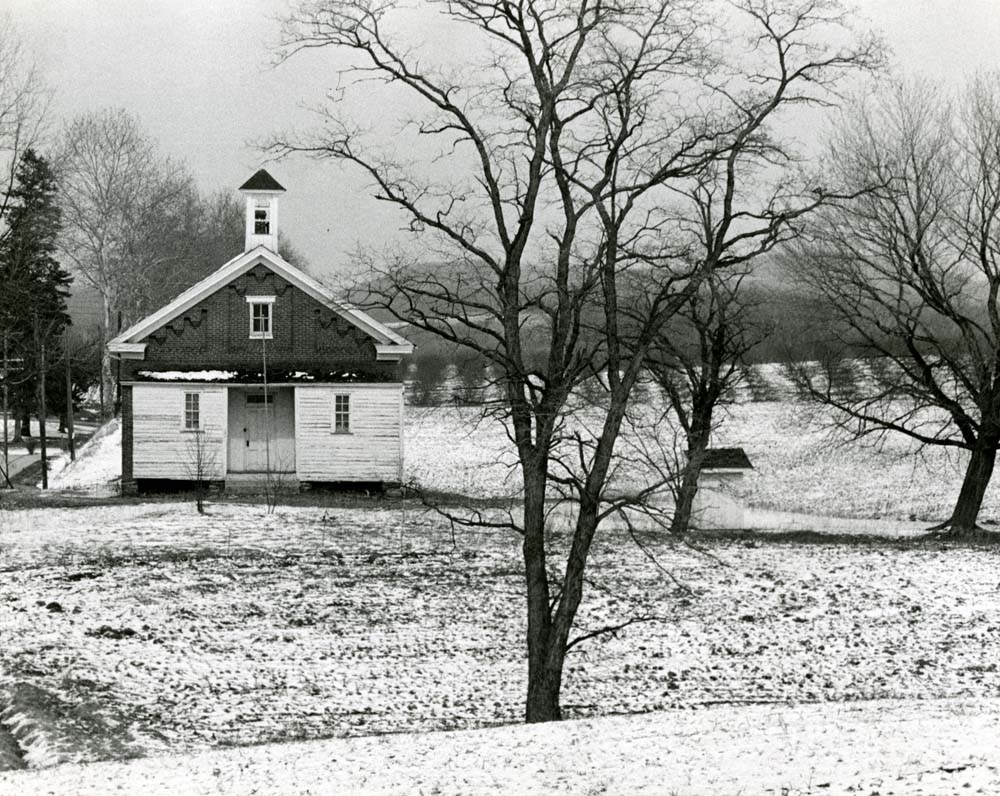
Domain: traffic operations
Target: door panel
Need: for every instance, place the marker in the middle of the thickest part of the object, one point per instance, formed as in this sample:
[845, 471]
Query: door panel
[258, 435]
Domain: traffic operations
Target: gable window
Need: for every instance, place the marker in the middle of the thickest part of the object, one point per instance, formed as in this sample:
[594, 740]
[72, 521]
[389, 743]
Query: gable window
[192, 411]
[342, 414]
[261, 219]
[260, 317]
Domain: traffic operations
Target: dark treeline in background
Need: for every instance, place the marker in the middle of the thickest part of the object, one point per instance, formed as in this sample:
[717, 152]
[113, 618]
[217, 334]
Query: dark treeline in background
[789, 325]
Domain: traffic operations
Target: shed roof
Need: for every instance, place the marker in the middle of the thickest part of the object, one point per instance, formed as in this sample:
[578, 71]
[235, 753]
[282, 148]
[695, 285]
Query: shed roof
[726, 459]
[261, 181]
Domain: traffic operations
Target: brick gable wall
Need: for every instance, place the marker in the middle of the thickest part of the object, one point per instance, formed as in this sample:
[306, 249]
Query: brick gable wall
[215, 334]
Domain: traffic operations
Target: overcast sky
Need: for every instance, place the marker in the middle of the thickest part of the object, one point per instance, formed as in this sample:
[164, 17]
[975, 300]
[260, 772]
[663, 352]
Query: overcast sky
[197, 74]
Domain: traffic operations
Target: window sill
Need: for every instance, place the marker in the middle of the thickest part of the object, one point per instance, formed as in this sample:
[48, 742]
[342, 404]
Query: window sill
[342, 433]
[192, 431]
[261, 337]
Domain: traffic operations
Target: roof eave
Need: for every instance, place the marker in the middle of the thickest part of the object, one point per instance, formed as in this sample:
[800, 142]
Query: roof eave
[392, 352]
[127, 350]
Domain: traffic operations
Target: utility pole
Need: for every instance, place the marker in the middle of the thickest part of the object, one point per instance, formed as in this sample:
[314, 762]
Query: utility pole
[70, 441]
[40, 343]
[118, 375]
[6, 455]
[100, 369]
[267, 410]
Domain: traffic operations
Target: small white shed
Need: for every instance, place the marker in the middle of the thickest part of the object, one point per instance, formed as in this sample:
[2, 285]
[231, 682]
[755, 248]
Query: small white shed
[718, 504]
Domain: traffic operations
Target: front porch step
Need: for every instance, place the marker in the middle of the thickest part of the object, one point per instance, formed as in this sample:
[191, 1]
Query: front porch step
[257, 483]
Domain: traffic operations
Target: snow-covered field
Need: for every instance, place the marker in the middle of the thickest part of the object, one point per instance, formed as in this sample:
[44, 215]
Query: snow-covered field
[141, 629]
[859, 749]
[144, 629]
[799, 466]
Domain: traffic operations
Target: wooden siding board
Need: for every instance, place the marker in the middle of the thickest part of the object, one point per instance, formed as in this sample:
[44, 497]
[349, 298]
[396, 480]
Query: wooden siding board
[161, 448]
[371, 452]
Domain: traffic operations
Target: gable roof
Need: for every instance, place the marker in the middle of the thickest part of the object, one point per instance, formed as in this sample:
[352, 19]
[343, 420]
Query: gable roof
[389, 344]
[726, 459]
[261, 181]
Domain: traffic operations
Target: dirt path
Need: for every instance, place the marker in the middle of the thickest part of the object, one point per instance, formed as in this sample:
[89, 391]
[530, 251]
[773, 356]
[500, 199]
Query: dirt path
[934, 747]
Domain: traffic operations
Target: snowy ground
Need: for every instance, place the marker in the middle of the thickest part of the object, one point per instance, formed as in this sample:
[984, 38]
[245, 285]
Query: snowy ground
[144, 629]
[98, 466]
[799, 465]
[861, 749]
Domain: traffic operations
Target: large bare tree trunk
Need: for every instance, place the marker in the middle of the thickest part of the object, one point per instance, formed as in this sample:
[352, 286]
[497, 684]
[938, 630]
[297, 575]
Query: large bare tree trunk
[697, 440]
[970, 498]
[548, 629]
[686, 493]
[543, 684]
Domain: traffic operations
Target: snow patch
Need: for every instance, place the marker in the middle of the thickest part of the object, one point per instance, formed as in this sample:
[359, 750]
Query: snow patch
[188, 375]
[98, 463]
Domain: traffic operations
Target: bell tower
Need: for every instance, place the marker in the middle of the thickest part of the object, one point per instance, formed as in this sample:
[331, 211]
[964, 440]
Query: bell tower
[261, 192]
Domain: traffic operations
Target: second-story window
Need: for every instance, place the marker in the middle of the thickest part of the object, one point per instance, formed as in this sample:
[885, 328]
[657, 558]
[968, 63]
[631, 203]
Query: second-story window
[261, 317]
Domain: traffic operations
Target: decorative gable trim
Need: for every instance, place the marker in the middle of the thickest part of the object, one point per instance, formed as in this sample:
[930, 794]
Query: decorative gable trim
[129, 344]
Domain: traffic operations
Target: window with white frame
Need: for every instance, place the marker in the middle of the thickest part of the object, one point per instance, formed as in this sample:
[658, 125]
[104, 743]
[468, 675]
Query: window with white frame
[261, 317]
[192, 411]
[342, 414]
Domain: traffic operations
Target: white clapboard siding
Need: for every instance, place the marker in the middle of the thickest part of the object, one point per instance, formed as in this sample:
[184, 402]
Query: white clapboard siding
[371, 452]
[161, 448]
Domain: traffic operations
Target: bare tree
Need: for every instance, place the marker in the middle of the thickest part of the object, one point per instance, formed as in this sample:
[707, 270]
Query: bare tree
[697, 362]
[202, 464]
[24, 105]
[910, 272]
[119, 201]
[536, 187]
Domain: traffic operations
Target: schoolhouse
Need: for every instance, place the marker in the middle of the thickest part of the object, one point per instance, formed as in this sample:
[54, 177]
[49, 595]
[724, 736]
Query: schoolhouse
[260, 370]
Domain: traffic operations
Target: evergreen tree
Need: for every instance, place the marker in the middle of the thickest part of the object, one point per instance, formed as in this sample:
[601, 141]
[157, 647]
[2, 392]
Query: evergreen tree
[35, 285]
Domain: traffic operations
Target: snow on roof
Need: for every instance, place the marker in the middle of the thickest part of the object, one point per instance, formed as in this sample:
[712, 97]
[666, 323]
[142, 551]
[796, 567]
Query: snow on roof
[187, 375]
[274, 376]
